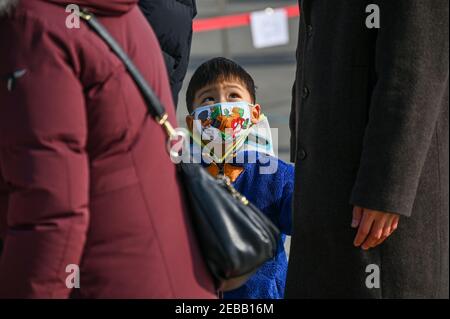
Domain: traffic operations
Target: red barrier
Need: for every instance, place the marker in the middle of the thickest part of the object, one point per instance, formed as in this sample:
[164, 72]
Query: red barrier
[234, 21]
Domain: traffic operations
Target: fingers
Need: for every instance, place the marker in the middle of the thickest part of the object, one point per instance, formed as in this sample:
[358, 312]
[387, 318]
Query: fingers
[387, 230]
[376, 233]
[374, 227]
[364, 228]
[395, 222]
[357, 215]
[383, 226]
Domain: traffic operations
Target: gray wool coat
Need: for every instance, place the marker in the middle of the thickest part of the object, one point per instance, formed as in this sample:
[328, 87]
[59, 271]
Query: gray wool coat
[369, 127]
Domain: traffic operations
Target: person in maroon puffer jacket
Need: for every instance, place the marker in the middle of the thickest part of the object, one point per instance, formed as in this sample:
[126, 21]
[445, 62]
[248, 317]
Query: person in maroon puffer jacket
[85, 178]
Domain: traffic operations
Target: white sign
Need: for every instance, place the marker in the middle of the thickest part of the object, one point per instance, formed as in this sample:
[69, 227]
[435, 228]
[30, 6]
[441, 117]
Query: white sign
[269, 28]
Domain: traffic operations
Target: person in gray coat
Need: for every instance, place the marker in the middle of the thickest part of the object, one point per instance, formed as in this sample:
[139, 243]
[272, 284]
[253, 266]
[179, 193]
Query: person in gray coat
[369, 127]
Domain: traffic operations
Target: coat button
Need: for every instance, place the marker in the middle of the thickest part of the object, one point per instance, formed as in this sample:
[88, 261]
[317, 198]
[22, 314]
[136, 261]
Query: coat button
[305, 93]
[302, 154]
[309, 30]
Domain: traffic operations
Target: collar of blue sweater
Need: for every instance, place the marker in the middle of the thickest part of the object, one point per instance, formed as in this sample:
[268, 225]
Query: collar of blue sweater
[244, 159]
[242, 162]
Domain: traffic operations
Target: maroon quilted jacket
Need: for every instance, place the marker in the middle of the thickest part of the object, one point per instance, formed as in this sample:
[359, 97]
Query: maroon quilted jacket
[84, 175]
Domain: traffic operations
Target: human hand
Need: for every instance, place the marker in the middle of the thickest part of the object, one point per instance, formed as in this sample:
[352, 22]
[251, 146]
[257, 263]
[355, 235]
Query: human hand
[374, 226]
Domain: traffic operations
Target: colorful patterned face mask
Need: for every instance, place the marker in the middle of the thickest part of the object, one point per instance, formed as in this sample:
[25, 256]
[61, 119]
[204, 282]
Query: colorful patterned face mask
[236, 117]
[229, 120]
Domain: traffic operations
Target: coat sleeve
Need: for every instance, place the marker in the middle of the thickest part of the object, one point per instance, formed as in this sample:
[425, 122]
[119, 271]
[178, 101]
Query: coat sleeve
[411, 63]
[44, 162]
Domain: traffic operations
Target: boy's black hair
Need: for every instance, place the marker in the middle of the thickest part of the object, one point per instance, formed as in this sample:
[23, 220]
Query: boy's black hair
[214, 70]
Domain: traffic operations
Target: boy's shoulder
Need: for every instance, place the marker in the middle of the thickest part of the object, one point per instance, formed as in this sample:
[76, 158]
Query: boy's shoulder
[269, 166]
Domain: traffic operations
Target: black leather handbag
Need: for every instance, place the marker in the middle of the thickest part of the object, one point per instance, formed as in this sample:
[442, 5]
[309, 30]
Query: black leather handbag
[234, 236]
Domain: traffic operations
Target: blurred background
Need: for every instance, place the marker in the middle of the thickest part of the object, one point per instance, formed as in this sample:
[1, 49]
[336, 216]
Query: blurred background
[272, 68]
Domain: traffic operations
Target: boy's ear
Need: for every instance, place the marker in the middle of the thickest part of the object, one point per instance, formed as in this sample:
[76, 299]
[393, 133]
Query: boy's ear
[256, 113]
[189, 122]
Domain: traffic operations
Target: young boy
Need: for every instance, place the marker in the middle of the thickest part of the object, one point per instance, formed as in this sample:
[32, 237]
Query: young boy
[221, 101]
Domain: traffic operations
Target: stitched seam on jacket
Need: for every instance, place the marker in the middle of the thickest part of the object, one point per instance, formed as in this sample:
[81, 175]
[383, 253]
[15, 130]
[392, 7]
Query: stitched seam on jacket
[69, 233]
[152, 224]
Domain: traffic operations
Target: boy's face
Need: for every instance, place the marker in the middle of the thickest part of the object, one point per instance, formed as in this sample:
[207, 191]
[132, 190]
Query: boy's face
[220, 92]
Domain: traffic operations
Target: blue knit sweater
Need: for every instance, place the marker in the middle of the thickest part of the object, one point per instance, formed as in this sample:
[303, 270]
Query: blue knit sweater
[272, 194]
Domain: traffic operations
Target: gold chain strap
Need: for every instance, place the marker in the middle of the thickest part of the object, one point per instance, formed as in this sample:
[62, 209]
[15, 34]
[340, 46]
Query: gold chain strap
[233, 190]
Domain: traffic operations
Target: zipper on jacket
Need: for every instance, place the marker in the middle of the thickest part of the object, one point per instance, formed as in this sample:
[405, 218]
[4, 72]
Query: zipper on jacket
[221, 169]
